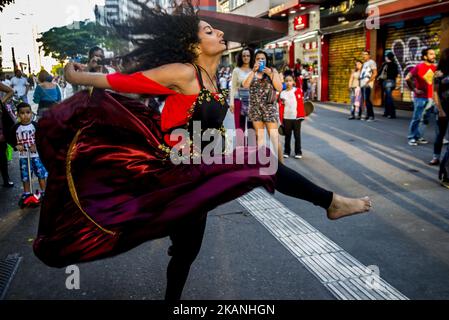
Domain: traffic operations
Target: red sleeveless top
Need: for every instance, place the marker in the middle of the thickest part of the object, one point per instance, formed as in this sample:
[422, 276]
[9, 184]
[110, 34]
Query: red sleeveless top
[175, 111]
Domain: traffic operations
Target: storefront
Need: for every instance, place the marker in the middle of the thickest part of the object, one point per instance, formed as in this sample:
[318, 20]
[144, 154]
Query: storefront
[243, 30]
[279, 51]
[311, 55]
[302, 42]
[344, 48]
[343, 40]
[406, 29]
[406, 40]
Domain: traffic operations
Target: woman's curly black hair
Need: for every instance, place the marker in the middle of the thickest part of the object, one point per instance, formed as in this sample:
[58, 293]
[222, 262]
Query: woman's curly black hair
[161, 35]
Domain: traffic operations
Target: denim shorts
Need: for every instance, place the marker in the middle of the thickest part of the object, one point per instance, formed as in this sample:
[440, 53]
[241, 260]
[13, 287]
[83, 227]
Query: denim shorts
[36, 167]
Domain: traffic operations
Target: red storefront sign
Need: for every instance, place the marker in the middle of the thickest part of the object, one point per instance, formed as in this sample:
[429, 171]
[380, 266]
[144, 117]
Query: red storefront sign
[301, 22]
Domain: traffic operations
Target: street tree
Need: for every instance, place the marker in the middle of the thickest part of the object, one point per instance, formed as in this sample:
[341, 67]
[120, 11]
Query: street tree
[4, 3]
[75, 40]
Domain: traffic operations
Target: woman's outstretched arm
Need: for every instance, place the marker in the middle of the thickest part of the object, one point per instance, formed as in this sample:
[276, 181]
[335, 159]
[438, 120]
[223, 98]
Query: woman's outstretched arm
[75, 74]
[175, 76]
[9, 92]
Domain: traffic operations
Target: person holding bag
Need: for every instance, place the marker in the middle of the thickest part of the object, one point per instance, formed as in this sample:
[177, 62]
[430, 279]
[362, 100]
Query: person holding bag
[388, 74]
[264, 83]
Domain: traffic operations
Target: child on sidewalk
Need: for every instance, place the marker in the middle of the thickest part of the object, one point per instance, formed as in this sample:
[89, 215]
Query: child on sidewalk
[25, 143]
[291, 114]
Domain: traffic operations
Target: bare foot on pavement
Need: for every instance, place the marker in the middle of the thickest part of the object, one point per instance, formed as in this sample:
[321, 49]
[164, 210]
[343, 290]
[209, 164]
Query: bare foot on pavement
[343, 207]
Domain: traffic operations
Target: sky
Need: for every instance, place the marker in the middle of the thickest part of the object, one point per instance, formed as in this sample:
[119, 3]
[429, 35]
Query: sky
[48, 13]
[21, 22]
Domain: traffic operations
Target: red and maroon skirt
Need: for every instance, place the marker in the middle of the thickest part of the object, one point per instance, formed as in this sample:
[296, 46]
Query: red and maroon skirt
[110, 186]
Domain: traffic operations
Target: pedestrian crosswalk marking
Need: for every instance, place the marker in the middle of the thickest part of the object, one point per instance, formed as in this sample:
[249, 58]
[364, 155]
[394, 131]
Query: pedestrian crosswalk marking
[343, 275]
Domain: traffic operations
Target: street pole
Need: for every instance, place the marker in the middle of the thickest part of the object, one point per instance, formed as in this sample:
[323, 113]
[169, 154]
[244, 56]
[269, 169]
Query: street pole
[14, 59]
[29, 65]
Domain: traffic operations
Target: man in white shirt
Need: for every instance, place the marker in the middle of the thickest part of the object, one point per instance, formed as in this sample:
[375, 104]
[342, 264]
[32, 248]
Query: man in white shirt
[20, 85]
[367, 77]
[6, 80]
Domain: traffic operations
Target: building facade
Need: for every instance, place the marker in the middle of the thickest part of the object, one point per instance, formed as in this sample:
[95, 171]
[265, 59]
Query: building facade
[406, 28]
[331, 35]
[116, 11]
[255, 9]
[343, 37]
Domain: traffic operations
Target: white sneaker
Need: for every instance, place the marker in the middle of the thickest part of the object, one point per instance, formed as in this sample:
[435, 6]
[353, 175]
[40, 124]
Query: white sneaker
[422, 141]
[286, 156]
[445, 141]
[298, 156]
[412, 142]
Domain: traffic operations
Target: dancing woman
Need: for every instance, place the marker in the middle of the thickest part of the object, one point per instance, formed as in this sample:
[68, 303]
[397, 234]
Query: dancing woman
[111, 186]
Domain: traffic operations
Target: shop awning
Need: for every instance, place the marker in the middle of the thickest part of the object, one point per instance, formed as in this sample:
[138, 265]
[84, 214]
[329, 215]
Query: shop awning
[281, 42]
[343, 27]
[245, 29]
[306, 36]
[285, 41]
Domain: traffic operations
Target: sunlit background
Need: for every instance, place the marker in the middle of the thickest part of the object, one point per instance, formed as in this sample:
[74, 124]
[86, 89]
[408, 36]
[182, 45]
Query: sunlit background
[21, 23]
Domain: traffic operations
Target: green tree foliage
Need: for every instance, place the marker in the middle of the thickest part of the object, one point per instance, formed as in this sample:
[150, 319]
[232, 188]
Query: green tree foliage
[76, 39]
[4, 3]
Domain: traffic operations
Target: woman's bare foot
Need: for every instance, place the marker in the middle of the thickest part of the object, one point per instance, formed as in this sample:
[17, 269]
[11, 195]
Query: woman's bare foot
[342, 206]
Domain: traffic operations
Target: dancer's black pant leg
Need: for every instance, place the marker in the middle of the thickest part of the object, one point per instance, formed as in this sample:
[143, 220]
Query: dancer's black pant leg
[293, 184]
[186, 240]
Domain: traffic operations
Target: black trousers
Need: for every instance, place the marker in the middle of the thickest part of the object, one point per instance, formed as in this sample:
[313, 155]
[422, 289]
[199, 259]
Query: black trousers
[442, 129]
[187, 235]
[292, 127]
[4, 162]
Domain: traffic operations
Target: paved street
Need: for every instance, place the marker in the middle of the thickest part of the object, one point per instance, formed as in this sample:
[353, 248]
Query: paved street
[406, 235]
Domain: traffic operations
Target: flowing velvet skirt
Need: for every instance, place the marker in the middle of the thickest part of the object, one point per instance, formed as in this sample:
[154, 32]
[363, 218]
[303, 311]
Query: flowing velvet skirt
[109, 188]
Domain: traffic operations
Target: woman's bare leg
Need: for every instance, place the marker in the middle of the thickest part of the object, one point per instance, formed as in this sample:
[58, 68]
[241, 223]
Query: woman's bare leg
[259, 128]
[273, 133]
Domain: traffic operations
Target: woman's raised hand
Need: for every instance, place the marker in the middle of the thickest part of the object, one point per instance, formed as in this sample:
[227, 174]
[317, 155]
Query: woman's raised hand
[71, 68]
[256, 67]
[268, 71]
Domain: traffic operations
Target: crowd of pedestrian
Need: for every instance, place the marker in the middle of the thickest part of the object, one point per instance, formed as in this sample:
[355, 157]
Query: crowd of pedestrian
[255, 106]
[427, 83]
